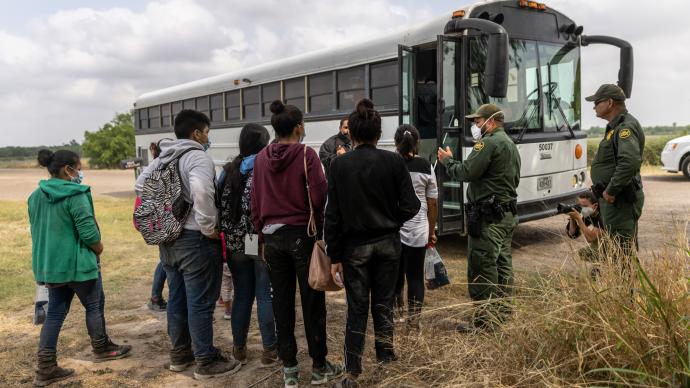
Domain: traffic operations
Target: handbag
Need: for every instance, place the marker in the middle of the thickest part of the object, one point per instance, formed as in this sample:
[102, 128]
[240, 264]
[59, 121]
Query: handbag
[320, 278]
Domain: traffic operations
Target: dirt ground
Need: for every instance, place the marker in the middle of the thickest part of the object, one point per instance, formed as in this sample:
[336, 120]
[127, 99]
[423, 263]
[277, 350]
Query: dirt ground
[537, 246]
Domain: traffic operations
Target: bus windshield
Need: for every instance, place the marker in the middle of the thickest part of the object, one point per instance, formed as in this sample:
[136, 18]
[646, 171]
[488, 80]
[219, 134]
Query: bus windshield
[537, 72]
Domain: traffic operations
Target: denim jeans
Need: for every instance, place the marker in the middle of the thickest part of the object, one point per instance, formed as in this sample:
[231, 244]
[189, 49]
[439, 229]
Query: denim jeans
[287, 253]
[90, 294]
[370, 268]
[159, 277]
[193, 264]
[250, 278]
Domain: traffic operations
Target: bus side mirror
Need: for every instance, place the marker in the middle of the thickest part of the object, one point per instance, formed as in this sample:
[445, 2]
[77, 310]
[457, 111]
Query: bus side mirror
[496, 70]
[626, 66]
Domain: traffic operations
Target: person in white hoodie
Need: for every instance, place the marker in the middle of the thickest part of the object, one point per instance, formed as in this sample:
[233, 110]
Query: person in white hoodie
[193, 262]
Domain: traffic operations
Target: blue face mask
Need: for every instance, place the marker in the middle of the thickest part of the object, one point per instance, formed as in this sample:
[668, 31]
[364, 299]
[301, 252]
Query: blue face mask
[78, 178]
[206, 145]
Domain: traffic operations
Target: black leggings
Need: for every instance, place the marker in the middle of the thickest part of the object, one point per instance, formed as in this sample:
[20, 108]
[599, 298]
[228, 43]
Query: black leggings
[412, 268]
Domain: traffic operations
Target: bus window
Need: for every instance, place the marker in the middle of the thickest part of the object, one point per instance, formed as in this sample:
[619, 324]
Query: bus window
[251, 104]
[232, 105]
[294, 92]
[176, 108]
[154, 116]
[321, 93]
[202, 105]
[350, 87]
[269, 93]
[217, 108]
[143, 118]
[165, 113]
[560, 79]
[521, 104]
[384, 85]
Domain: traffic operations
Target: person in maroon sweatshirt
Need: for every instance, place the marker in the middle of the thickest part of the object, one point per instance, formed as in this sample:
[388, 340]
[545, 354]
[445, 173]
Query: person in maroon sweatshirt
[280, 213]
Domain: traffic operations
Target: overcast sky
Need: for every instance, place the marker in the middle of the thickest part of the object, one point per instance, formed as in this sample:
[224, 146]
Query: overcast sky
[68, 66]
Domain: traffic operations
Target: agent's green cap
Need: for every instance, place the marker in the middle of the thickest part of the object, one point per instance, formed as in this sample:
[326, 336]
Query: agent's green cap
[606, 91]
[487, 110]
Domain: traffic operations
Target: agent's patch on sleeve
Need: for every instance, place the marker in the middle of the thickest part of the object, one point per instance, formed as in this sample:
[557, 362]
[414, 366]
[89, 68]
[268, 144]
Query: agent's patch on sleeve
[479, 146]
[625, 133]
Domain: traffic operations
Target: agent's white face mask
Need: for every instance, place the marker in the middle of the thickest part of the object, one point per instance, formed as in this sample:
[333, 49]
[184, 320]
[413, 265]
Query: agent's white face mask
[477, 131]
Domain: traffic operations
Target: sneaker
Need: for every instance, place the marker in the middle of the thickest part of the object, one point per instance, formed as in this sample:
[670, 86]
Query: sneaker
[180, 364]
[157, 304]
[112, 351]
[349, 381]
[227, 316]
[56, 374]
[325, 374]
[219, 366]
[240, 354]
[291, 376]
[269, 357]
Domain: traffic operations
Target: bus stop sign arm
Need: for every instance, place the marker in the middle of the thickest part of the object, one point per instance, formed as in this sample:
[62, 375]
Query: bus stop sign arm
[496, 70]
[625, 72]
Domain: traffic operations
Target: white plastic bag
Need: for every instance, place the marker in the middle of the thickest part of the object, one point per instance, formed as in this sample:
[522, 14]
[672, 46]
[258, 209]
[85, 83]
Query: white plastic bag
[434, 270]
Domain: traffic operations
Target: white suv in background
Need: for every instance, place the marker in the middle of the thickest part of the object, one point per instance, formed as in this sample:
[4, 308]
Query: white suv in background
[676, 155]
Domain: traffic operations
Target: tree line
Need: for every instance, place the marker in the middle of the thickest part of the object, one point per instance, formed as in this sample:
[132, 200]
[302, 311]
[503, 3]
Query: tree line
[104, 148]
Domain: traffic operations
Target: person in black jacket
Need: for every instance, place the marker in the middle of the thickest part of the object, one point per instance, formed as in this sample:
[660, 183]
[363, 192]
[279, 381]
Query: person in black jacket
[335, 145]
[370, 196]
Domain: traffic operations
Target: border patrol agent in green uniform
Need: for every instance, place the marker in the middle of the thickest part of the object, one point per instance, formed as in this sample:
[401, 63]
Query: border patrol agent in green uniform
[616, 167]
[493, 172]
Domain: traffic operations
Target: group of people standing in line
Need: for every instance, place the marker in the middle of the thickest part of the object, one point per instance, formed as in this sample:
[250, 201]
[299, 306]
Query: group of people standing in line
[375, 209]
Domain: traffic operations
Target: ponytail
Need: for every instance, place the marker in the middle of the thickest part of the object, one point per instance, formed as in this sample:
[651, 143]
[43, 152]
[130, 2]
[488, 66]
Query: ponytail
[406, 140]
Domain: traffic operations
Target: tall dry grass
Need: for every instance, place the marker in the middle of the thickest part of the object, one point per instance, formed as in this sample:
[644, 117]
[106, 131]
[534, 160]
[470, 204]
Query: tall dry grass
[566, 330]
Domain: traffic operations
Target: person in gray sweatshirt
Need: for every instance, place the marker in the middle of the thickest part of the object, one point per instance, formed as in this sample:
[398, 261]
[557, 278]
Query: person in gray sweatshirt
[193, 262]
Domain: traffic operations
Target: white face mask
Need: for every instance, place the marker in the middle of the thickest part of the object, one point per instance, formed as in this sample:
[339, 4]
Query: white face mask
[587, 212]
[477, 131]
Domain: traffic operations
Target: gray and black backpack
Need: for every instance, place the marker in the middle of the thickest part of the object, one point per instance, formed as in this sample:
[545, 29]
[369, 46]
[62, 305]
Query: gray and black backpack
[163, 210]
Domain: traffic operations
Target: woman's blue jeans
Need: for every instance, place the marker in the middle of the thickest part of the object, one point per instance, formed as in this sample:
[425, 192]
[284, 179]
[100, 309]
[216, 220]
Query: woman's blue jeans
[90, 294]
[250, 279]
[159, 277]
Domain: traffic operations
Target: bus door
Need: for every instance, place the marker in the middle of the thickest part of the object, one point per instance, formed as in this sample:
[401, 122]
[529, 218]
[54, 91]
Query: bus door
[407, 74]
[449, 122]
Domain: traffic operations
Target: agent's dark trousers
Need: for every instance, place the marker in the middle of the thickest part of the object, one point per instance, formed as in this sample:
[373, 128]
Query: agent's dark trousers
[370, 268]
[194, 265]
[412, 268]
[287, 253]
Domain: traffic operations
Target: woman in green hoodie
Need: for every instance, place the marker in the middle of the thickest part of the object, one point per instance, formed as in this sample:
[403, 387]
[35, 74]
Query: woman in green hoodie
[66, 246]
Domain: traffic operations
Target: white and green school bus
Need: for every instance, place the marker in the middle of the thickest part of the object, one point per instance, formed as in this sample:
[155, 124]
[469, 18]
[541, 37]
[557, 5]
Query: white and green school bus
[521, 55]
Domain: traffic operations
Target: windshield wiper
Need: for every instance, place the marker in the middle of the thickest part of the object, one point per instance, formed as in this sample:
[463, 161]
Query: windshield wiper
[563, 117]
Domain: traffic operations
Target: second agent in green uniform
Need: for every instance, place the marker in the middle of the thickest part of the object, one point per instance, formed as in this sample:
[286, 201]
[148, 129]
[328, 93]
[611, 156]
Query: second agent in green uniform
[616, 167]
[493, 172]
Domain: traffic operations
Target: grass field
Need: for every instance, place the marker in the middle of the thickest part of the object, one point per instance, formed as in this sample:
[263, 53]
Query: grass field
[566, 330]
